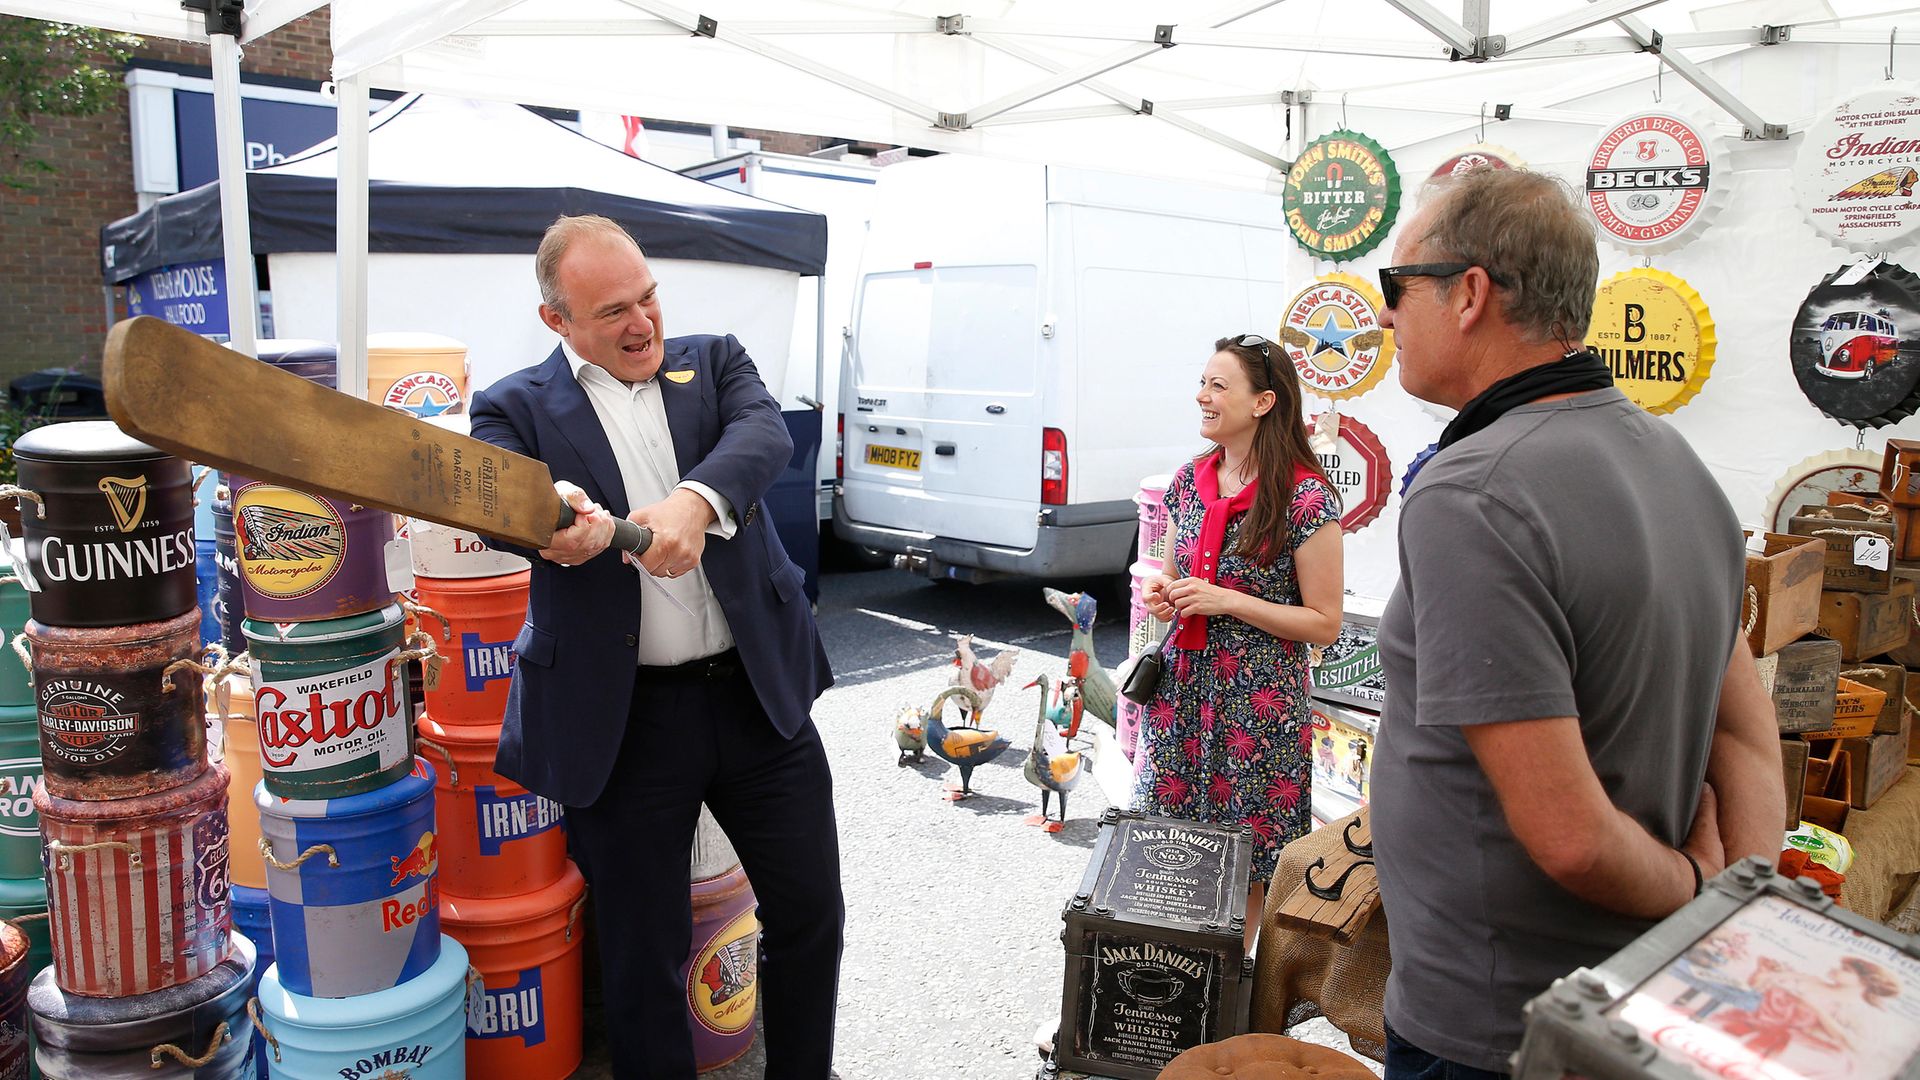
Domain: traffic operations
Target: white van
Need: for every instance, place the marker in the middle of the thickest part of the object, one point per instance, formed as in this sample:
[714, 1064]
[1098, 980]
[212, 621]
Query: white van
[1025, 346]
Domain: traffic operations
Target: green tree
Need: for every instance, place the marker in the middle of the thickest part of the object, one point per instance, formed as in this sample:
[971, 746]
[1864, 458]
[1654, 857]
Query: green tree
[51, 69]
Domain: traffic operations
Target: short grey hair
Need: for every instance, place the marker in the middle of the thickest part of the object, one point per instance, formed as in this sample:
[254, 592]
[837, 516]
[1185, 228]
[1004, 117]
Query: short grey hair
[1528, 230]
[559, 238]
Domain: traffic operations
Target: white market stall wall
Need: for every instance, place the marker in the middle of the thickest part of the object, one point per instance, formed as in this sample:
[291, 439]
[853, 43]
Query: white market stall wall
[491, 303]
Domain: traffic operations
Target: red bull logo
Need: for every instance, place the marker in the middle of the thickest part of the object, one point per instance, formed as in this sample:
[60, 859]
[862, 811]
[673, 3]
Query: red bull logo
[420, 862]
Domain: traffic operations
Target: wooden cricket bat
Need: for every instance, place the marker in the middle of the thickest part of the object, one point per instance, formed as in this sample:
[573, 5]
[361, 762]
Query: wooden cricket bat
[204, 402]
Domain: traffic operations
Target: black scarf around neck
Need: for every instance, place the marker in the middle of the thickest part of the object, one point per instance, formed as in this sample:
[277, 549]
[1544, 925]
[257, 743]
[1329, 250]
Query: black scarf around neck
[1574, 373]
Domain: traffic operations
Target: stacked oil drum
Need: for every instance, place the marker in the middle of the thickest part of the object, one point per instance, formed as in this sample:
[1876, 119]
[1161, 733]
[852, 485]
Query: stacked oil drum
[146, 975]
[511, 895]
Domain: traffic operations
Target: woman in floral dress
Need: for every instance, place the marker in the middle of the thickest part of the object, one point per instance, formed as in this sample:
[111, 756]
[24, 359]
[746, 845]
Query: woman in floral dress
[1253, 576]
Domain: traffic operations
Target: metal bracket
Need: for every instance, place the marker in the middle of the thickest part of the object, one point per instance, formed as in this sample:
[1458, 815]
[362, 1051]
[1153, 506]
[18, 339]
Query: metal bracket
[1163, 36]
[1654, 45]
[707, 27]
[950, 24]
[1485, 48]
[1503, 112]
[1295, 97]
[1776, 35]
[950, 121]
[1768, 133]
[223, 16]
[1145, 109]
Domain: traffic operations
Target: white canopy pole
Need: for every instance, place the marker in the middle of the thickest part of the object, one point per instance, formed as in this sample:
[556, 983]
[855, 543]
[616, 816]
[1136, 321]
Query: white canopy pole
[350, 237]
[229, 146]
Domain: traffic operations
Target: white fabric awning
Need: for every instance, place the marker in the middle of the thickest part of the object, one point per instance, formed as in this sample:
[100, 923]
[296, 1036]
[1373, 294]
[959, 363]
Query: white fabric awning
[159, 18]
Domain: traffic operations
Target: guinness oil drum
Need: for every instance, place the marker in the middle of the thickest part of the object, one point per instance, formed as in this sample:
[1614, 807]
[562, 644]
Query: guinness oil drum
[150, 1036]
[110, 728]
[332, 705]
[304, 557]
[116, 544]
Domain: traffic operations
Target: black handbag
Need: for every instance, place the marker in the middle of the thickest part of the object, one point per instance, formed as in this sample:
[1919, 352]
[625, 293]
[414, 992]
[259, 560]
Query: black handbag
[1147, 671]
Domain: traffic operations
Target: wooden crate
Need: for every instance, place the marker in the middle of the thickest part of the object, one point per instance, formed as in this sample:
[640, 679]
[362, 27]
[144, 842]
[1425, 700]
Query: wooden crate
[1913, 734]
[1839, 527]
[1879, 761]
[1829, 785]
[1908, 654]
[1802, 678]
[1855, 708]
[1898, 480]
[1867, 624]
[1793, 760]
[1891, 680]
[1782, 601]
[1905, 518]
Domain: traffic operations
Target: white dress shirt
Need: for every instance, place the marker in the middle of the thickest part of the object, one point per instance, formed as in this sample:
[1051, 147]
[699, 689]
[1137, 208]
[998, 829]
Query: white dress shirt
[635, 421]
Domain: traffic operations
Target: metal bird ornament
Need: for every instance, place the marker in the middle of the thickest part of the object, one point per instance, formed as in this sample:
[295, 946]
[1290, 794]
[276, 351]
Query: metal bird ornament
[982, 677]
[1052, 765]
[1083, 665]
[964, 747]
[910, 734]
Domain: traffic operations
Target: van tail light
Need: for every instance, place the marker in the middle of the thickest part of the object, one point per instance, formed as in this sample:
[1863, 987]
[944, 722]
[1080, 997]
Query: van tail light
[1053, 467]
[840, 449]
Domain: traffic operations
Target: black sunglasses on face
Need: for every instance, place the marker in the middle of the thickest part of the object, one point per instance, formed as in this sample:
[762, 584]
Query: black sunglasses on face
[1255, 341]
[1392, 288]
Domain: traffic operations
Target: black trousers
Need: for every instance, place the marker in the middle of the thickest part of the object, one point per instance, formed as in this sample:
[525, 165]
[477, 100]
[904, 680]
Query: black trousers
[694, 738]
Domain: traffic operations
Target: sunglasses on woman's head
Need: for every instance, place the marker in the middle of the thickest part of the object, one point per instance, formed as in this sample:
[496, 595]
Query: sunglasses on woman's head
[1255, 341]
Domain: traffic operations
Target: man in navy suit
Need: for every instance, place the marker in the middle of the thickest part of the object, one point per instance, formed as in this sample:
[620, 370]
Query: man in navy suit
[641, 691]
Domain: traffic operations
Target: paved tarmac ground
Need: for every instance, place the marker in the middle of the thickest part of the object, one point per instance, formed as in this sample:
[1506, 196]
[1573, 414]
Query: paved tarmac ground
[953, 955]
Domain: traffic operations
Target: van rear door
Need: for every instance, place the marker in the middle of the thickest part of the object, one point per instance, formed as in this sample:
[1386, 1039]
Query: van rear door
[943, 432]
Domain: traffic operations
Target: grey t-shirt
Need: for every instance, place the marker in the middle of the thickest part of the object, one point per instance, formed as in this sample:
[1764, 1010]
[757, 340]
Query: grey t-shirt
[1574, 558]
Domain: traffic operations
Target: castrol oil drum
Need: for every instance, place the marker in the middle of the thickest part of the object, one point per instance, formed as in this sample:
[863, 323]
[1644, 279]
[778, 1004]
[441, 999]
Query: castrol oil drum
[412, 1031]
[354, 887]
[476, 644]
[495, 837]
[195, 1031]
[137, 888]
[303, 556]
[111, 539]
[425, 374]
[115, 722]
[332, 704]
[527, 1025]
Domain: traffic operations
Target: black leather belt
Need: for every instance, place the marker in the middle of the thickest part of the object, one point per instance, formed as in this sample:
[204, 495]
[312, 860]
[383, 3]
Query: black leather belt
[725, 665]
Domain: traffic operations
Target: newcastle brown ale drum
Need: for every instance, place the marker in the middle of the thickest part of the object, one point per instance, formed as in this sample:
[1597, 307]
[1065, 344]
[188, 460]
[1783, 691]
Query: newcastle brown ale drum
[111, 541]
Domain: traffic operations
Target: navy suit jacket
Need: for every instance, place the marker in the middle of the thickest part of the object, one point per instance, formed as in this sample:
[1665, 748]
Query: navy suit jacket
[574, 670]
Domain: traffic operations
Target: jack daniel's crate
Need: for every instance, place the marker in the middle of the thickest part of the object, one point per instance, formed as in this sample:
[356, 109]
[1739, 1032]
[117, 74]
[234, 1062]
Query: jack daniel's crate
[1156, 961]
[1758, 977]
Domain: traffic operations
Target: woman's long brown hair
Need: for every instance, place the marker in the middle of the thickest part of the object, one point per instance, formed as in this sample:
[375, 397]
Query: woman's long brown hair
[1279, 445]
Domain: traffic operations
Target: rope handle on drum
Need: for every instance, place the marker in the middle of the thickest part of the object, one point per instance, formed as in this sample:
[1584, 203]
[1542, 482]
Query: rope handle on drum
[222, 677]
[1753, 610]
[65, 852]
[253, 1014]
[266, 849]
[14, 491]
[214, 650]
[573, 914]
[417, 609]
[23, 648]
[1877, 511]
[221, 1037]
[453, 770]
[419, 647]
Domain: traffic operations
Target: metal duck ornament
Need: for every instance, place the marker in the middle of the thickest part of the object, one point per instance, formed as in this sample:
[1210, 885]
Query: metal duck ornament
[1097, 692]
[965, 747]
[1053, 765]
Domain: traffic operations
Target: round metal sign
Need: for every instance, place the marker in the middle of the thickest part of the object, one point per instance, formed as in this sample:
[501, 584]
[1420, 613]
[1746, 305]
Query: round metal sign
[1809, 482]
[1651, 181]
[1856, 344]
[1332, 333]
[1857, 170]
[1479, 155]
[1341, 195]
[1358, 468]
[1654, 331]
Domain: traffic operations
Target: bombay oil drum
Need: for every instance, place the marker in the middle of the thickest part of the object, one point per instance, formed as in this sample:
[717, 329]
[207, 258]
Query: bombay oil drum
[137, 888]
[528, 1024]
[305, 556]
[15, 1055]
[252, 919]
[151, 1036]
[494, 837]
[19, 779]
[314, 361]
[415, 1030]
[331, 699]
[16, 681]
[721, 972]
[483, 615]
[425, 374]
[240, 753]
[115, 543]
[114, 724]
[229, 607]
[354, 887]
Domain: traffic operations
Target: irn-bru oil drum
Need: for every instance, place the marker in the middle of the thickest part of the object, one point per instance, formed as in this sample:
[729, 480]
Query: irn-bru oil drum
[14, 977]
[483, 617]
[137, 888]
[527, 950]
[721, 973]
[354, 887]
[115, 545]
[331, 701]
[414, 1030]
[495, 837]
[425, 374]
[149, 1036]
[228, 605]
[16, 682]
[240, 753]
[19, 779]
[306, 556]
[314, 361]
[441, 551]
[113, 723]
[251, 918]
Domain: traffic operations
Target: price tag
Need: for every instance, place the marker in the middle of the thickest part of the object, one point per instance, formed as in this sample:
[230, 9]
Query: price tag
[430, 674]
[1874, 552]
[399, 565]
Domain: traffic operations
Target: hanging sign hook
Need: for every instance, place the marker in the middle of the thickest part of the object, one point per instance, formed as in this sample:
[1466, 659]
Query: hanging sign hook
[1892, 36]
[1483, 121]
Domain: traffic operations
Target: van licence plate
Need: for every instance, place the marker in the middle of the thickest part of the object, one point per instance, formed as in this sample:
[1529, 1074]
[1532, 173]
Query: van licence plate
[893, 457]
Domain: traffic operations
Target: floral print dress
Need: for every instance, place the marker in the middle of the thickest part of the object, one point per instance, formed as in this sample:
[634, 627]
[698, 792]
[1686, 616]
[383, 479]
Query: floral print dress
[1227, 737]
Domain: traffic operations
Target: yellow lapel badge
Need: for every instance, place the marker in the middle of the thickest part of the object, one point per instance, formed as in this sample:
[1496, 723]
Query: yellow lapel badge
[681, 377]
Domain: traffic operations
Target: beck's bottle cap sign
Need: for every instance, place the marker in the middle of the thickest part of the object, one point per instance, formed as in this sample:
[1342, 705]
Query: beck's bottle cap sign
[1653, 181]
[1341, 195]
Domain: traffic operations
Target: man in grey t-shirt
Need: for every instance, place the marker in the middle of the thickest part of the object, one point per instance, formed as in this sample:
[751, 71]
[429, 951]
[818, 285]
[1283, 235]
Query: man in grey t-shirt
[1574, 733]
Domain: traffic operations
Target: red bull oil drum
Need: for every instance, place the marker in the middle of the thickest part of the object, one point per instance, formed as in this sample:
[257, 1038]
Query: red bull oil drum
[113, 723]
[354, 887]
[415, 1030]
[305, 557]
[153, 1036]
[137, 888]
[483, 617]
[115, 543]
[527, 1025]
[495, 837]
[15, 974]
[19, 779]
[332, 704]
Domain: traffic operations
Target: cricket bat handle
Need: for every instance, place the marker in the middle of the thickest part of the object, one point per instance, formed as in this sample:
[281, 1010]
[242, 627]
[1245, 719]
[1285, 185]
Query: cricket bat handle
[629, 537]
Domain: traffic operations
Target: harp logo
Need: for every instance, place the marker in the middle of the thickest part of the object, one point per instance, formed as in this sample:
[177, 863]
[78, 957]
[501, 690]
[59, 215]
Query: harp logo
[127, 498]
[1332, 334]
[290, 543]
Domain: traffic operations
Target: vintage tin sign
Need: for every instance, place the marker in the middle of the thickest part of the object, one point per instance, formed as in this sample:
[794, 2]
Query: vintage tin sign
[307, 557]
[414, 1031]
[1858, 166]
[1654, 332]
[1350, 671]
[1358, 468]
[125, 1038]
[332, 704]
[1145, 1001]
[1652, 181]
[1478, 156]
[1855, 344]
[425, 374]
[1810, 481]
[1341, 195]
[1332, 333]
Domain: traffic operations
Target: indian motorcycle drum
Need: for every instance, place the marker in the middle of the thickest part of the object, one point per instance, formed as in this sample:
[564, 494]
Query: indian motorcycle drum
[114, 723]
[495, 838]
[721, 974]
[354, 887]
[415, 1030]
[195, 1031]
[527, 1026]
[332, 704]
[137, 888]
[305, 557]
[483, 616]
[111, 541]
